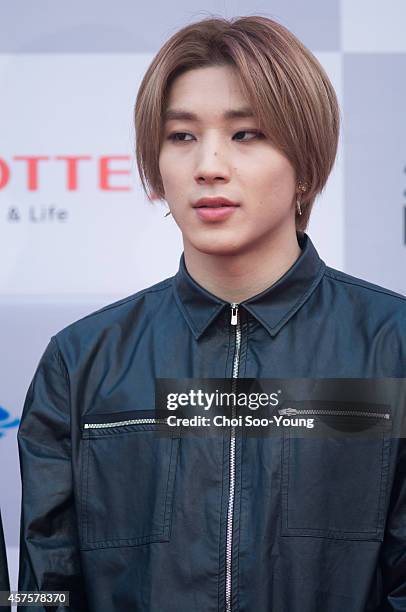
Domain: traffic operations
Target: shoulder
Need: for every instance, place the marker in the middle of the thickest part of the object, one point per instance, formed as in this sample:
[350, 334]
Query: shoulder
[372, 300]
[140, 306]
[363, 286]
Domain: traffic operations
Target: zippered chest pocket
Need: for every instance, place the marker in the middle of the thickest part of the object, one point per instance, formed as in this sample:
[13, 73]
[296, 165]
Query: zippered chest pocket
[336, 486]
[127, 480]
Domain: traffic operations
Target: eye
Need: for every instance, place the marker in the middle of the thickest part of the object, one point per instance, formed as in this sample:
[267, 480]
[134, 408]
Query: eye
[180, 136]
[174, 136]
[255, 132]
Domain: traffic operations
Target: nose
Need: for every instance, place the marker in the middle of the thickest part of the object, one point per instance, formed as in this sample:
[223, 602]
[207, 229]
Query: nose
[211, 162]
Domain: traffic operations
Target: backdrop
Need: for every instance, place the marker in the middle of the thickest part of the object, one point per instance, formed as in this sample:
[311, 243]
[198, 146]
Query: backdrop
[76, 231]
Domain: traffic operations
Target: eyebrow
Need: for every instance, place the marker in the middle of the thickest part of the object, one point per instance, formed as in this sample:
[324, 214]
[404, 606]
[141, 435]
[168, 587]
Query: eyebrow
[183, 115]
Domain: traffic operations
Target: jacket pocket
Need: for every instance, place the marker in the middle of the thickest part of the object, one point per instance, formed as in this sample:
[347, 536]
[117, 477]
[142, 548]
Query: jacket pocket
[128, 479]
[335, 486]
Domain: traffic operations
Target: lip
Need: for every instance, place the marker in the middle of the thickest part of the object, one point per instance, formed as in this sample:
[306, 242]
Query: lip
[215, 208]
[214, 202]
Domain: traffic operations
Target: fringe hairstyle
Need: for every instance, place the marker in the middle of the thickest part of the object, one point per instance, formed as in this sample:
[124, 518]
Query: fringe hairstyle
[290, 94]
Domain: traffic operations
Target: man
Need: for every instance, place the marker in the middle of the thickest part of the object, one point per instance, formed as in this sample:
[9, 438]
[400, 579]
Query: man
[130, 520]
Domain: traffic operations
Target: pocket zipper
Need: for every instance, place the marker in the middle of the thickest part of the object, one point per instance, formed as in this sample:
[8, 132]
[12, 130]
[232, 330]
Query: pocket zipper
[123, 423]
[296, 412]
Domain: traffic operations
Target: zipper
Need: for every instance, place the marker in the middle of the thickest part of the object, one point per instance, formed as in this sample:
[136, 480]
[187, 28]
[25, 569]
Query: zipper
[122, 423]
[234, 314]
[295, 411]
[235, 321]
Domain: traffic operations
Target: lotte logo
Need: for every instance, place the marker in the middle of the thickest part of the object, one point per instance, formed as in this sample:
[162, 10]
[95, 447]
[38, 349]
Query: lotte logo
[33, 166]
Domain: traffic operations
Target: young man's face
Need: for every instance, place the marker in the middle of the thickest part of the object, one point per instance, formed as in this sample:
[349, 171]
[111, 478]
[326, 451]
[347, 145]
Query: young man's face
[213, 156]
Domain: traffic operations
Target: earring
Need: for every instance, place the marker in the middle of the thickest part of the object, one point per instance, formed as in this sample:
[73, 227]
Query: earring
[299, 209]
[168, 213]
[303, 188]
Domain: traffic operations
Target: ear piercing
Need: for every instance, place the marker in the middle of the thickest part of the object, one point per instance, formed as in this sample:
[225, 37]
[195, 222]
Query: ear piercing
[302, 188]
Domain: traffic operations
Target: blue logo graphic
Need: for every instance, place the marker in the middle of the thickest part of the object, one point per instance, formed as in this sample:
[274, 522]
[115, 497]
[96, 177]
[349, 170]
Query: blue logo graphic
[4, 415]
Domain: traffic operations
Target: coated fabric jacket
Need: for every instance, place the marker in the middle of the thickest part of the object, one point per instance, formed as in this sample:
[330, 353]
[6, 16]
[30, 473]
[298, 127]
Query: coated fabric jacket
[130, 521]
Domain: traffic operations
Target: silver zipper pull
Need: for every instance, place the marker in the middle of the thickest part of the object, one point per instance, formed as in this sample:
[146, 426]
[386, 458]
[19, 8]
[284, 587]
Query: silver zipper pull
[234, 314]
[288, 411]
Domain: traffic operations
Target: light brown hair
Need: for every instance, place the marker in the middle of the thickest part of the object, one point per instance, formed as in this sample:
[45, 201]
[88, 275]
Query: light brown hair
[290, 94]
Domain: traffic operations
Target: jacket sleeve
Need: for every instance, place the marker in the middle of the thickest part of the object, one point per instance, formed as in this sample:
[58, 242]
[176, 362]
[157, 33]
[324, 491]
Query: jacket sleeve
[393, 556]
[49, 546]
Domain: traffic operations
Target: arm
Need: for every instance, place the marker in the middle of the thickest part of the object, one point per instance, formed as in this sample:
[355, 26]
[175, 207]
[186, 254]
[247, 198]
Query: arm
[49, 547]
[393, 556]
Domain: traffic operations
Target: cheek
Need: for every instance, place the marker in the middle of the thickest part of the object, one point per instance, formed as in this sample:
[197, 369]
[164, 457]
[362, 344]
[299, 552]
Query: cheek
[171, 180]
[167, 173]
[272, 190]
[162, 165]
[276, 181]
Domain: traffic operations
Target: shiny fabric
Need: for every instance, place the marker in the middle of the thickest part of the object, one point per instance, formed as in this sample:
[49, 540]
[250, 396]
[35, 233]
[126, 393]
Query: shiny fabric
[129, 521]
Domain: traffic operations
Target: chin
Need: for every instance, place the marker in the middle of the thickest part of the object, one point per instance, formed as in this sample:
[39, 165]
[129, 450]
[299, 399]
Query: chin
[219, 247]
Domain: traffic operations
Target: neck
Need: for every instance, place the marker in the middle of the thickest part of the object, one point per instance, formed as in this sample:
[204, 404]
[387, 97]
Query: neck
[237, 277]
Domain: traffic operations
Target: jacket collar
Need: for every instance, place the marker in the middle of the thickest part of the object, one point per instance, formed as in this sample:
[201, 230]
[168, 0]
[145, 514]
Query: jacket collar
[273, 307]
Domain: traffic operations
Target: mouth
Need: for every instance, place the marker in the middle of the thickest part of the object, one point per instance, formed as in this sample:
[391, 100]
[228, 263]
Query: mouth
[215, 210]
[215, 203]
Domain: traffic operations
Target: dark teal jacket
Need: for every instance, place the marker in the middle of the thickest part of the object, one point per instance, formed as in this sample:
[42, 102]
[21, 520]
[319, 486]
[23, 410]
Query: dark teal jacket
[128, 520]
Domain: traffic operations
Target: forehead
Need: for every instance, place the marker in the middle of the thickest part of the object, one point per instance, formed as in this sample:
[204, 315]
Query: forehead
[208, 91]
